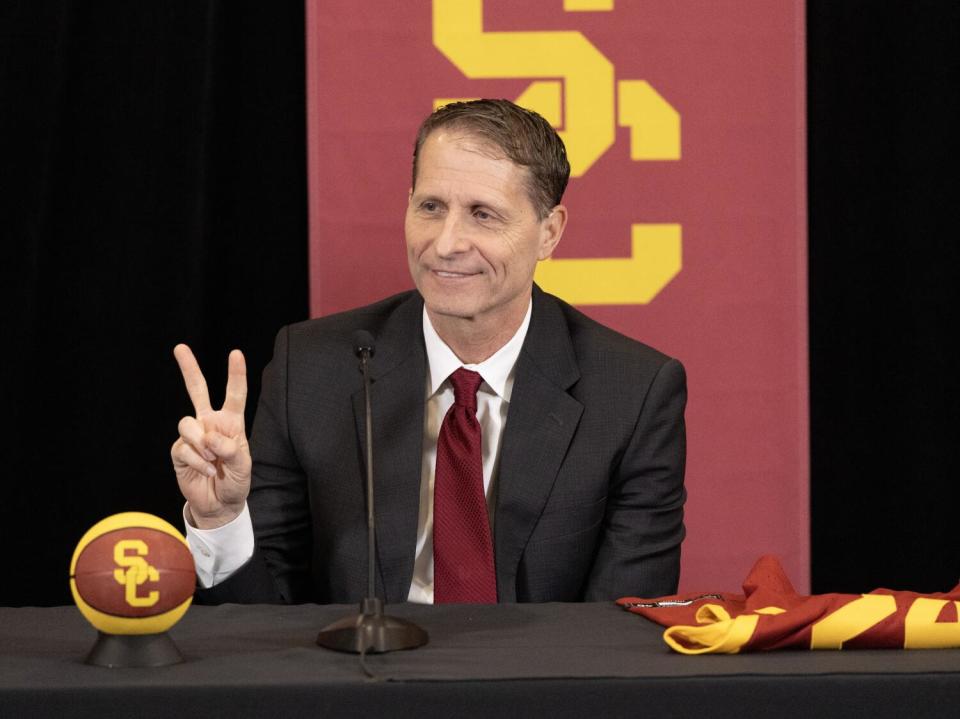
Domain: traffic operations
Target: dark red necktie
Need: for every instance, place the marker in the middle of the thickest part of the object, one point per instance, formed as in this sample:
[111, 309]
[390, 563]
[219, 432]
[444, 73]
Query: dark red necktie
[462, 549]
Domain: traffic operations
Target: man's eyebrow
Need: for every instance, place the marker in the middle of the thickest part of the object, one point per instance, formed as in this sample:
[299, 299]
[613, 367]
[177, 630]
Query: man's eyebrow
[426, 196]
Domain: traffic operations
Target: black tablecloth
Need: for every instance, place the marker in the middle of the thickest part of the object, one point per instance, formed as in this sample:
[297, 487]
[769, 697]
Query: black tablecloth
[505, 660]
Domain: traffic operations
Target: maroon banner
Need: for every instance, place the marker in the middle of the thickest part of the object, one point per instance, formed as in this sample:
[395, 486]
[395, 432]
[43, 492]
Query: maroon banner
[684, 122]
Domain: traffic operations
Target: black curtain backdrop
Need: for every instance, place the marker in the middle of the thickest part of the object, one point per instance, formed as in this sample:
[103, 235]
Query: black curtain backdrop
[154, 171]
[885, 367]
[154, 191]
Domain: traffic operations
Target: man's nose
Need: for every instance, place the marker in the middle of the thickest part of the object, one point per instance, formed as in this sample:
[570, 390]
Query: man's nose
[453, 238]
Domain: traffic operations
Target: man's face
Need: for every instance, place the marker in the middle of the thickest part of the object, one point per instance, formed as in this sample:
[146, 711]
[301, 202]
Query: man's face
[473, 235]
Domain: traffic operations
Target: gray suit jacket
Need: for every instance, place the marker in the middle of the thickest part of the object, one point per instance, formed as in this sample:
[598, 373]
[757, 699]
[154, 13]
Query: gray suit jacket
[589, 502]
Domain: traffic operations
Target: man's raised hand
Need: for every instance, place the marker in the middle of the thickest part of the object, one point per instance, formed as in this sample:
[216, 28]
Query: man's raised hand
[212, 457]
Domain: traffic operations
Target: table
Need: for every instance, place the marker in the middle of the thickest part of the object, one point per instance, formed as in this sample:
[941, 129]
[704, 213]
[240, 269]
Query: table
[558, 660]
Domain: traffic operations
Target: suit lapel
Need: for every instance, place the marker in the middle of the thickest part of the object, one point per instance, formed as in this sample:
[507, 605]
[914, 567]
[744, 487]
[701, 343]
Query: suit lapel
[398, 374]
[540, 425]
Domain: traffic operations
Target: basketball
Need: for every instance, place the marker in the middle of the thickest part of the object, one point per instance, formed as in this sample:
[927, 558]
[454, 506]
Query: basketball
[132, 573]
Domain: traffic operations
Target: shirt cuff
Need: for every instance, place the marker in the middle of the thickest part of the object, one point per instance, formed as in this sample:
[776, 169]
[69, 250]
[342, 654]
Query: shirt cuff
[218, 553]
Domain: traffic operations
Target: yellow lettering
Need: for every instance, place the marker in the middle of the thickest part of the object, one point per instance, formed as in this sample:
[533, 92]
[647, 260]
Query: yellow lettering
[654, 124]
[851, 620]
[587, 74]
[544, 97]
[137, 571]
[655, 259]
[134, 561]
[580, 101]
[923, 631]
[587, 5]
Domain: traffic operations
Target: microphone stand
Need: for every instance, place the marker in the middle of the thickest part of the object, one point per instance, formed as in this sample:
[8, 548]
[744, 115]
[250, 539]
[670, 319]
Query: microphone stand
[371, 631]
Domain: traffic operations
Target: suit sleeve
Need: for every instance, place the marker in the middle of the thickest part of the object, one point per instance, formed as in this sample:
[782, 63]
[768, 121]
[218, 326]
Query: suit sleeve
[278, 571]
[639, 551]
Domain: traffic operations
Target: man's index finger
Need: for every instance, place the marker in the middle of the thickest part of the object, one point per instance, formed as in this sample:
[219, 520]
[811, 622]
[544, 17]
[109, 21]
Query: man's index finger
[193, 378]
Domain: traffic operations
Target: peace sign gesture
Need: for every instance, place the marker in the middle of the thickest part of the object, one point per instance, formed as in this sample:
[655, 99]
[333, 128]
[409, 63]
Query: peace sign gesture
[212, 457]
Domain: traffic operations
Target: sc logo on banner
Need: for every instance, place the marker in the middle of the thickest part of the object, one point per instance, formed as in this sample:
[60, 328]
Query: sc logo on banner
[589, 104]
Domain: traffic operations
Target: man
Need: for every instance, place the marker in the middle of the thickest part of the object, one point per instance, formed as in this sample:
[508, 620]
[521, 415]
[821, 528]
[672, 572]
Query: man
[522, 452]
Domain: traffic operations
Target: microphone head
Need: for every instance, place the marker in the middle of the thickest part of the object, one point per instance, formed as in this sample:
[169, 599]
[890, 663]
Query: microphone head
[363, 343]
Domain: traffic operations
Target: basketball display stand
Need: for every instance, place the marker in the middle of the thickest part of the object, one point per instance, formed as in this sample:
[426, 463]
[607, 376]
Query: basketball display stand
[133, 650]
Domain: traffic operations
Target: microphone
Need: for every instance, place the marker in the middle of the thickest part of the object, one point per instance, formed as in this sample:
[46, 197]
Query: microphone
[363, 345]
[371, 630]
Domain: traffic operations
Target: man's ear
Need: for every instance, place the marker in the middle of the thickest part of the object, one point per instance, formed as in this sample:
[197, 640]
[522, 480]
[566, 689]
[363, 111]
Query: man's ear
[551, 230]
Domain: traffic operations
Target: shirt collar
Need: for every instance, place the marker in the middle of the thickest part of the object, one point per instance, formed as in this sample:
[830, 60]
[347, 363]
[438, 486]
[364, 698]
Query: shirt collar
[496, 370]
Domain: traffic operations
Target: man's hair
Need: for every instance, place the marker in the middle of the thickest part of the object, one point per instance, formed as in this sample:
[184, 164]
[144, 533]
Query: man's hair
[525, 138]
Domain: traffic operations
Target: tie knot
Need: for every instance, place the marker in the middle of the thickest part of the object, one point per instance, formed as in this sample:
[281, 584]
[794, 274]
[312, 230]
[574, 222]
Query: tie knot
[465, 385]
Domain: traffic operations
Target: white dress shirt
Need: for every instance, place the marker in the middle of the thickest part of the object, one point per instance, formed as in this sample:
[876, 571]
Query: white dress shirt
[218, 553]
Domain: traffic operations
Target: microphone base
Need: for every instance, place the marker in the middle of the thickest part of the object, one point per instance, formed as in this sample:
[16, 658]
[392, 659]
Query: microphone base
[372, 632]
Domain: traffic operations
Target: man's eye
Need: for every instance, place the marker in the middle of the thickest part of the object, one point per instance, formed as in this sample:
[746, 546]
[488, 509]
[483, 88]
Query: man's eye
[482, 215]
[428, 206]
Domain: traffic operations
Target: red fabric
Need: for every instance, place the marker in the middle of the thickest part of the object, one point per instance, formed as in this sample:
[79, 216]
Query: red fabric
[767, 586]
[462, 547]
[735, 315]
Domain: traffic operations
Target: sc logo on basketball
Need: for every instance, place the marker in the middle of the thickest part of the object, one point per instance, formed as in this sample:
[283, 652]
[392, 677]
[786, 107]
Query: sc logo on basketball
[137, 571]
[588, 103]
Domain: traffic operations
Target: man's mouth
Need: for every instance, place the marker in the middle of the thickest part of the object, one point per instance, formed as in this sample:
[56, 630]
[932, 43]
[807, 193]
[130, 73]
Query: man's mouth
[447, 274]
